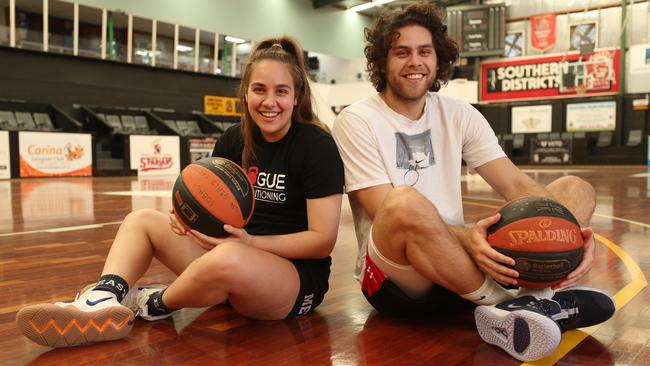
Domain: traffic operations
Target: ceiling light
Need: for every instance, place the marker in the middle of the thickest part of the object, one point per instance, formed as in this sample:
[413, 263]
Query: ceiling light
[232, 39]
[358, 8]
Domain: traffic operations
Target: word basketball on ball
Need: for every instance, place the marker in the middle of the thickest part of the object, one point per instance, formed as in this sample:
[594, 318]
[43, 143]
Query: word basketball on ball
[212, 192]
[542, 236]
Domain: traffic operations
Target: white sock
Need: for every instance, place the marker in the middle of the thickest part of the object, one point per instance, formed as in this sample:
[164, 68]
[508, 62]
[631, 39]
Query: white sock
[538, 293]
[489, 293]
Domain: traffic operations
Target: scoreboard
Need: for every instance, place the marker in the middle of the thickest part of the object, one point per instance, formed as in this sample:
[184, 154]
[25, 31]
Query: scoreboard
[480, 30]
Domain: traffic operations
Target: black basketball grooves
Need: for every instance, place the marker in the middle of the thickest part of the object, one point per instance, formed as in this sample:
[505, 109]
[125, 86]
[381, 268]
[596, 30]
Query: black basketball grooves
[529, 207]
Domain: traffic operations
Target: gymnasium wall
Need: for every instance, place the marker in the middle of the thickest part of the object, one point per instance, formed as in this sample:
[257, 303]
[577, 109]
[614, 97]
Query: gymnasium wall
[65, 81]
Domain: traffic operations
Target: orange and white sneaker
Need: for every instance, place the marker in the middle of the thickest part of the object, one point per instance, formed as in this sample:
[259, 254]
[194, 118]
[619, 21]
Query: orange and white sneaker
[136, 300]
[94, 316]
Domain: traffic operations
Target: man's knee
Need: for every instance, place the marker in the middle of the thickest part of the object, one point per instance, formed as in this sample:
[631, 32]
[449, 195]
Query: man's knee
[572, 183]
[407, 209]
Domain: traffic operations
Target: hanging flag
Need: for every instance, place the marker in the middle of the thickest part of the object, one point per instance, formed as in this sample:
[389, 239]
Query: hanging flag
[542, 31]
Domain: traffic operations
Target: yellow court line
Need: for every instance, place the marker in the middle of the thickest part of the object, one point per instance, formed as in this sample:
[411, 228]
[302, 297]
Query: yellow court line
[571, 338]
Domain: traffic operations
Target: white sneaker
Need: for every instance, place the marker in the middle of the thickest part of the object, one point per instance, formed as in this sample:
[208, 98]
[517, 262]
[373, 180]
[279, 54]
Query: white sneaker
[136, 300]
[94, 316]
[523, 327]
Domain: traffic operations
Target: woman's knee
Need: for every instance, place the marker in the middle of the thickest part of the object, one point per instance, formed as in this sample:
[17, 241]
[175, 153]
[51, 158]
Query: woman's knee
[144, 218]
[223, 264]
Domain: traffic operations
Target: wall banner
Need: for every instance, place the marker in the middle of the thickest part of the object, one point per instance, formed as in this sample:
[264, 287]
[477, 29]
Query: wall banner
[551, 76]
[222, 106]
[542, 31]
[55, 154]
[155, 155]
[532, 118]
[591, 116]
[5, 161]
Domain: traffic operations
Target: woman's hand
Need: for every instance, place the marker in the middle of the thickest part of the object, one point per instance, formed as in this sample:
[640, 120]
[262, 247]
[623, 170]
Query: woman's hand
[588, 255]
[490, 261]
[209, 242]
[176, 227]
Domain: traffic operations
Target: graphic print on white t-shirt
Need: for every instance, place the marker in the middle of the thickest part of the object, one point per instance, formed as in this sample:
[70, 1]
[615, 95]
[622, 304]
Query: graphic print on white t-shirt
[413, 152]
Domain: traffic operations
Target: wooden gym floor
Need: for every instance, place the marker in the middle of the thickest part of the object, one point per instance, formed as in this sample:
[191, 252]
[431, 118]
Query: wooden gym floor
[55, 233]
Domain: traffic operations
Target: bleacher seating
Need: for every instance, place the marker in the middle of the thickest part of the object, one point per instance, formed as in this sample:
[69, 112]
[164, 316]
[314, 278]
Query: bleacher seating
[141, 125]
[518, 141]
[128, 124]
[634, 138]
[193, 128]
[25, 121]
[8, 120]
[604, 139]
[114, 121]
[44, 122]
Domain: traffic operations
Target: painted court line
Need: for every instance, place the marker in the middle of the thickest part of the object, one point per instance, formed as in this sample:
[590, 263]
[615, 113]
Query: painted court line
[572, 338]
[62, 229]
[140, 193]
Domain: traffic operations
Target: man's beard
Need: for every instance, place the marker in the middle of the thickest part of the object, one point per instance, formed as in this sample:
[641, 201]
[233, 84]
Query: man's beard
[405, 92]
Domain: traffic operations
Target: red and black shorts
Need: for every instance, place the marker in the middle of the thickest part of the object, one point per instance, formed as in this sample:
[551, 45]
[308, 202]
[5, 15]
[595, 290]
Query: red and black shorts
[389, 299]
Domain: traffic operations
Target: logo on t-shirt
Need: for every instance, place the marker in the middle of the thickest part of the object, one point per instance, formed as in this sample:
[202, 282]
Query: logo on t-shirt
[413, 152]
[271, 187]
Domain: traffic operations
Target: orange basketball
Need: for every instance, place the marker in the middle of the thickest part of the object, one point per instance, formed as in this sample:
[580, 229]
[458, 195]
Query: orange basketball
[212, 192]
[542, 236]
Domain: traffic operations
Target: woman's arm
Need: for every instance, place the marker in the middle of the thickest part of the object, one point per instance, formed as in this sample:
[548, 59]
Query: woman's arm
[323, 215]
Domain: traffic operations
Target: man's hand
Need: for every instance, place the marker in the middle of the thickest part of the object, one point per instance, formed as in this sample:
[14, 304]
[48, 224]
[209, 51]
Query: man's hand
[487, 258]
[209, 242]
[588, 255]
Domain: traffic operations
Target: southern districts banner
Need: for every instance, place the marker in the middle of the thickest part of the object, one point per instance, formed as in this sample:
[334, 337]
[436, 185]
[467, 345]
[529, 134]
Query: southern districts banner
[551, 76]
[5, 161]
[155, 155]
[55, 154]
[542, 31]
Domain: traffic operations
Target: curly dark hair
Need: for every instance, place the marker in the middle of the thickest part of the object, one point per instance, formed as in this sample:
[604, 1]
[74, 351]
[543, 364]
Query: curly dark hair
[380, 37]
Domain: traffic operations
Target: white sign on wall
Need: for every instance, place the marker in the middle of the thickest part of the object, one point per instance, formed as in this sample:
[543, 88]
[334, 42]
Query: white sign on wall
[155, 155]
[54, 154]
[5, 162]
[532, 119]
[592, 116]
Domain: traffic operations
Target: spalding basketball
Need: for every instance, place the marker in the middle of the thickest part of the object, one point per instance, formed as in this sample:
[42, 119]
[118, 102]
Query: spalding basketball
[542, 236]
[212, 192]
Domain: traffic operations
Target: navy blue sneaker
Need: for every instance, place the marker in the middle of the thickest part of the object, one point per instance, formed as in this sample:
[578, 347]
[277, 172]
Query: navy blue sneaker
[582, 307]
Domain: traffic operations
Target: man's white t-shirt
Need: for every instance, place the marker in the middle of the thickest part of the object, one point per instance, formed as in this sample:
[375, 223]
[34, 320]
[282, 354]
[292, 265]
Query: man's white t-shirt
[379, 146]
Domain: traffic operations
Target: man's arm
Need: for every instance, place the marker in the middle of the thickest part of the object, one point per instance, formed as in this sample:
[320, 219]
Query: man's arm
[510, 182]
[371, 198]
[578, 196]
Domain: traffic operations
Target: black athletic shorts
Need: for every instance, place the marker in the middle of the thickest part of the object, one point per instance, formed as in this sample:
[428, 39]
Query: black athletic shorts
[389, 299]
[314, 283]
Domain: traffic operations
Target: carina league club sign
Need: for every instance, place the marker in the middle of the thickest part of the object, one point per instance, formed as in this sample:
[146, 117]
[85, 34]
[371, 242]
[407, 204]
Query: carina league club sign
[551, 76]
